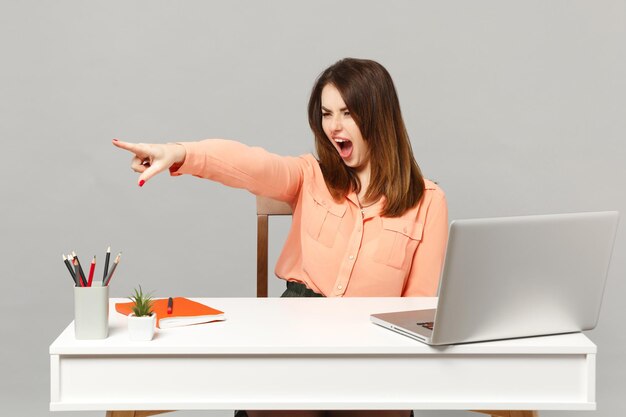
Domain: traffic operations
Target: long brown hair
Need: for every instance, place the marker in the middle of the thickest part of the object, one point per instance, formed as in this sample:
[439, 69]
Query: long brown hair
[368, 91]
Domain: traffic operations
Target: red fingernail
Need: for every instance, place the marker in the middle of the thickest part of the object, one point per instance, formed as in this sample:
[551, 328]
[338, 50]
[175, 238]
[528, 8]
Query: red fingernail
[141, 183]
[114, 140]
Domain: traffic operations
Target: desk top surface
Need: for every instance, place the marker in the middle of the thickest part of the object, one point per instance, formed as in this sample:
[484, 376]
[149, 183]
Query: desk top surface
[300, 326]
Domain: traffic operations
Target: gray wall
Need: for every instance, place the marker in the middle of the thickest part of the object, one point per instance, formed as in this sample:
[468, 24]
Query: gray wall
[514, 107]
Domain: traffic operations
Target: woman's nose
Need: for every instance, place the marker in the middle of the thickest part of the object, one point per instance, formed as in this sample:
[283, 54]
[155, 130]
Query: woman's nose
[335, 124]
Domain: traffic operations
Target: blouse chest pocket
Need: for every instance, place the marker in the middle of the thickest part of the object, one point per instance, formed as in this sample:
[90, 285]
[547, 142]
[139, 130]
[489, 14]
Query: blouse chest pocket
[324, 219]
[398, 240]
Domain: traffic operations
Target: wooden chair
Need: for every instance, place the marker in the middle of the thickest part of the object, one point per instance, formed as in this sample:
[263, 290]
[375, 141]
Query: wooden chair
[265, 207]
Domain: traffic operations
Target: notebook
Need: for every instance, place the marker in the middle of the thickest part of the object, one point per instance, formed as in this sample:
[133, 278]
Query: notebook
[515, 277]
[185, 312]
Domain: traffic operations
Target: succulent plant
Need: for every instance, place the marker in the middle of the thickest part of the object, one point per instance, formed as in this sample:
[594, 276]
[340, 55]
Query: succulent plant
[143, 303]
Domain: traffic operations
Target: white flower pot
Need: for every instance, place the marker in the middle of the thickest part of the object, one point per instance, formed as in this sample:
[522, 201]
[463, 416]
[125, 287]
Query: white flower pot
[141, 328]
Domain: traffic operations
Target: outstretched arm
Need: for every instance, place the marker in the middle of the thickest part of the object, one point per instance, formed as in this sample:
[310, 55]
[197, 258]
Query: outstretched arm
[228, 162]
[237, 165]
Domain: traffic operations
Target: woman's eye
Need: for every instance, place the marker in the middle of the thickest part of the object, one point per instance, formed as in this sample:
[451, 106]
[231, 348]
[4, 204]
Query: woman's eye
[347, 113]
[325, 114]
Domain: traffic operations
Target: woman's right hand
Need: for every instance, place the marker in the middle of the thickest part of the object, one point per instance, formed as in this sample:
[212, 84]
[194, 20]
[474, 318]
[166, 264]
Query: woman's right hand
[150, 159]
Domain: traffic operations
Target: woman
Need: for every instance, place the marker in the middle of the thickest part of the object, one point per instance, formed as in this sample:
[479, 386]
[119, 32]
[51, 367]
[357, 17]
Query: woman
[365, 221]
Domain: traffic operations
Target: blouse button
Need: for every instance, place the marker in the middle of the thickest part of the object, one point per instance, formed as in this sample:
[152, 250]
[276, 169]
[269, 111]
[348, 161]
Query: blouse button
[339, 287]
[351, 257]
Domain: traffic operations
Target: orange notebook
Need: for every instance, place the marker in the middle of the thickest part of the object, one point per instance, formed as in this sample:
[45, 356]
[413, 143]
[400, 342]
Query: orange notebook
[184, 312]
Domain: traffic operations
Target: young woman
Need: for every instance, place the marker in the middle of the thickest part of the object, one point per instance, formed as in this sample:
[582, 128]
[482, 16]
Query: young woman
[365, 221]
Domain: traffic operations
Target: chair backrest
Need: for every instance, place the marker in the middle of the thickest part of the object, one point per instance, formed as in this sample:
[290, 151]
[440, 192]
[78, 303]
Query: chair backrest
[265, 207]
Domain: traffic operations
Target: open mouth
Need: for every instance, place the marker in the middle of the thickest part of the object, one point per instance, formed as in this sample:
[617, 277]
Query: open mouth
[345, 147]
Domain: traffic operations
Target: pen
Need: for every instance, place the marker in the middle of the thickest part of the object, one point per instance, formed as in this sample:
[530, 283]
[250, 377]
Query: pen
[69, 268]
[115, 262]
[91, 270]
[106, 264]
[170, 305]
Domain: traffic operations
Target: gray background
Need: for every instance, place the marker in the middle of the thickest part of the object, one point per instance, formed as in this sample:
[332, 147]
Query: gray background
[514, 107]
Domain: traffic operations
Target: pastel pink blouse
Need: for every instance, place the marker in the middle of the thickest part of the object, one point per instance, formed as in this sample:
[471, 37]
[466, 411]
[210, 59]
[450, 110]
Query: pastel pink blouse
[335, 248]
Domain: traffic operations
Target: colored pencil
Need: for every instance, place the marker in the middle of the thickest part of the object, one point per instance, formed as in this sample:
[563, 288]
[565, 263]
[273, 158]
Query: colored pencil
[80, 267]
[77, 269]
[106, 264]
[115, 262]
[70, 259]
[91, 271]
[69, 268]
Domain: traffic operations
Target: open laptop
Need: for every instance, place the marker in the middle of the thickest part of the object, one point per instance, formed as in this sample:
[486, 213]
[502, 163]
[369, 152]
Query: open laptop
[515, 277]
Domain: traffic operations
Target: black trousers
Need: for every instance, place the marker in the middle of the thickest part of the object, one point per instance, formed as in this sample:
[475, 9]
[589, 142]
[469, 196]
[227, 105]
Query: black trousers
[295, 289]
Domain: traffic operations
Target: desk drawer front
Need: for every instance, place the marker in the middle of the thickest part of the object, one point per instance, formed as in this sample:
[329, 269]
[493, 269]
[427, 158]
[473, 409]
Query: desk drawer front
[324, 381]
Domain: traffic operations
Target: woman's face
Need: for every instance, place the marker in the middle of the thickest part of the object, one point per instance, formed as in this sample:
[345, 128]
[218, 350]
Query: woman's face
[342, 131]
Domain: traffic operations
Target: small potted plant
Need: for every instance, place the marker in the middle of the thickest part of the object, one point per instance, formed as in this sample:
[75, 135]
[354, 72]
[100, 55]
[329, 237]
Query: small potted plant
[142, 321]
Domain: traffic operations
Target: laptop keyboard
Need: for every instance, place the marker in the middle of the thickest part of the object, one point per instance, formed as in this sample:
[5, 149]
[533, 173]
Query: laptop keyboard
[426, 324]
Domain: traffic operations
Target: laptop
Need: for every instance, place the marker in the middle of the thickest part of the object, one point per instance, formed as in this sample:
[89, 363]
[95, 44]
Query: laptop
[513, 277]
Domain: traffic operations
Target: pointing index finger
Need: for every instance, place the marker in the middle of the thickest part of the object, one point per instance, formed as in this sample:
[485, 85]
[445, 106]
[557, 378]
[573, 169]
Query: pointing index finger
[136, 148]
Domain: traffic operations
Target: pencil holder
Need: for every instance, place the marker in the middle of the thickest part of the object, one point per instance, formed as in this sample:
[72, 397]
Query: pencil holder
[91, 312]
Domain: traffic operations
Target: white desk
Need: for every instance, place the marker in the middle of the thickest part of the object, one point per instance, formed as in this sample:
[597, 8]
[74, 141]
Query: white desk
[325, 353]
